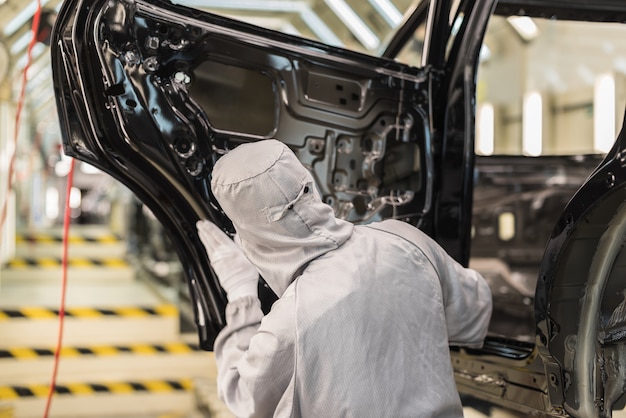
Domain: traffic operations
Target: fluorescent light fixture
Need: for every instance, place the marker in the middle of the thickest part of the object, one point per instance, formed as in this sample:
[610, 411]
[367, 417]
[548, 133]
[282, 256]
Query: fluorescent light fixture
[38, 49]
[310, 18]
[485, 53]
[274, 23]
[358, 28]
[267, 5]
[290, 29]
[485, 145]
[21, 43]
[21, 18]
[524, 26]
[7, 147]
[319, 28]
[388, 11]
[75, 197]
[532, 124]
[604, 113]
[63, 166]
[506, 226]
[5, 157]
[38, 71]
[52, 203]
[457, 25]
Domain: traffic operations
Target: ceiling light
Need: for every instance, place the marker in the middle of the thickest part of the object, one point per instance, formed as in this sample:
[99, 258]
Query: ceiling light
[457, 25]
[532, 127]
[52, 202]
[358, 28]
[75, 197]
[21, 18]
[310, 18]
[485, 127]
[41, 63]
[485, 53]
[524, 26]
[21, 43]
[37, 50]
[319, 28]
[4, 62]
[269, 6]
[388, 11]
[604, 113]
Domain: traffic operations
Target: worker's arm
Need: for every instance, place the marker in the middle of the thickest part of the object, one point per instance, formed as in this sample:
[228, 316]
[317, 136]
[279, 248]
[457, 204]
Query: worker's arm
[467, 301]
[254, 357]
[466, 294]
[254, 353]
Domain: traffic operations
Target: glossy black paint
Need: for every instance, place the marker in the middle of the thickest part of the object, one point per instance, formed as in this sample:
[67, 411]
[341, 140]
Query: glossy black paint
[455, 114]
[125, 74]
[92, 133]
[120, 69]
[564, 274]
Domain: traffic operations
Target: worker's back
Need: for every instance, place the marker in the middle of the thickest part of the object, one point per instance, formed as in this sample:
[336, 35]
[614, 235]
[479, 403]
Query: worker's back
[371, 335]
[364, 316]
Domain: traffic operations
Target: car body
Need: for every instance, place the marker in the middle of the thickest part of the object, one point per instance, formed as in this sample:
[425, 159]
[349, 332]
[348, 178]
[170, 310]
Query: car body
[153, 93]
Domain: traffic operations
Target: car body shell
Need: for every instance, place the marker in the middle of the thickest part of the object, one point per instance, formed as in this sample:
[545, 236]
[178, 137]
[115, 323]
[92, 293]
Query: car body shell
[153, 93]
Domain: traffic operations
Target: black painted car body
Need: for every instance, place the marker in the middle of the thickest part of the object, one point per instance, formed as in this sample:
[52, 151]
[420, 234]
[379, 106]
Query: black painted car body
[153, 93]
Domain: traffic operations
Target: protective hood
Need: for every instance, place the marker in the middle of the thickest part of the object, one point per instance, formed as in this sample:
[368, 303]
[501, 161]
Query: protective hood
[274, 205]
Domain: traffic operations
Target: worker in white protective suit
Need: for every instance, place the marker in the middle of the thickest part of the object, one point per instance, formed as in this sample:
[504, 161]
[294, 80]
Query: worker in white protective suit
[365, 313]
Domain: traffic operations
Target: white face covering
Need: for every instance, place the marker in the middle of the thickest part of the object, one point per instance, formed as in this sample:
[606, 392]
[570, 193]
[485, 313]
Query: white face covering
[274, 205]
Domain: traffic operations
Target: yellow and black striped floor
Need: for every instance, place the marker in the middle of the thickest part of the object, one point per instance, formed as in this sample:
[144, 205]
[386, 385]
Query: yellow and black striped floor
[37, 312]
[47, 262]
[82, 389]
[123, 354]
[41, 238]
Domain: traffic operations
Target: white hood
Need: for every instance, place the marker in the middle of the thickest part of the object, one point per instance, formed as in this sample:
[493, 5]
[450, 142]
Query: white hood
[276, 210]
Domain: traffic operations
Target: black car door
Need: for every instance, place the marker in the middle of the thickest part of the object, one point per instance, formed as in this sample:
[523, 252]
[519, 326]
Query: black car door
[153, 93]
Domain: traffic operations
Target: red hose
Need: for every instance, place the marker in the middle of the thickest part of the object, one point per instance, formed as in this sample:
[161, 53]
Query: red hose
[66, 228]
[3, 214]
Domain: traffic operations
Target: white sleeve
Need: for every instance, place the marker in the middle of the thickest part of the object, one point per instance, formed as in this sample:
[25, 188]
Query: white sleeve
[254, 356]
[467, 300]
[466, 294]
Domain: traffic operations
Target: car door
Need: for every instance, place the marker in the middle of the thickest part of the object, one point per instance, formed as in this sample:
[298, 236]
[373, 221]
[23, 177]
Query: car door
[153, 93]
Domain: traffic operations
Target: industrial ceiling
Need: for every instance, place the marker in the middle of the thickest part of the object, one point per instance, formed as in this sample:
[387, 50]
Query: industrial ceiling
[360, 25]
[355, 24]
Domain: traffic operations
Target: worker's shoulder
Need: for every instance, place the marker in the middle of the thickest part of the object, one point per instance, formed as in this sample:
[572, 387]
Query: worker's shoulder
[399, 229]
[412, 237]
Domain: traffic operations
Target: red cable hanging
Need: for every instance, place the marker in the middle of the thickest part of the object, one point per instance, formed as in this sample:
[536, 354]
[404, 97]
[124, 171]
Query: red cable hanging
[66, 228]
[66, 220]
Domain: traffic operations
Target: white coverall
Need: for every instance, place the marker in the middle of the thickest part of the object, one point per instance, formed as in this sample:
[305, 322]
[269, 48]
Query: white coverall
[365, 313]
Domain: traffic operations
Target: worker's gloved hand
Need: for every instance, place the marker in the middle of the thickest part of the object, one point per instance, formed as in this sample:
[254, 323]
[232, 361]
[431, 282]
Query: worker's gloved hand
[236, 273]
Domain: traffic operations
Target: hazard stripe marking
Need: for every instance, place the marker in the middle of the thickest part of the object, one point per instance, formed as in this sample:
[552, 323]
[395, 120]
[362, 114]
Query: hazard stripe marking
[72, 239]
[38, 313]
[55, 262]
[26, 353]
[83, 389]
[82, 312]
